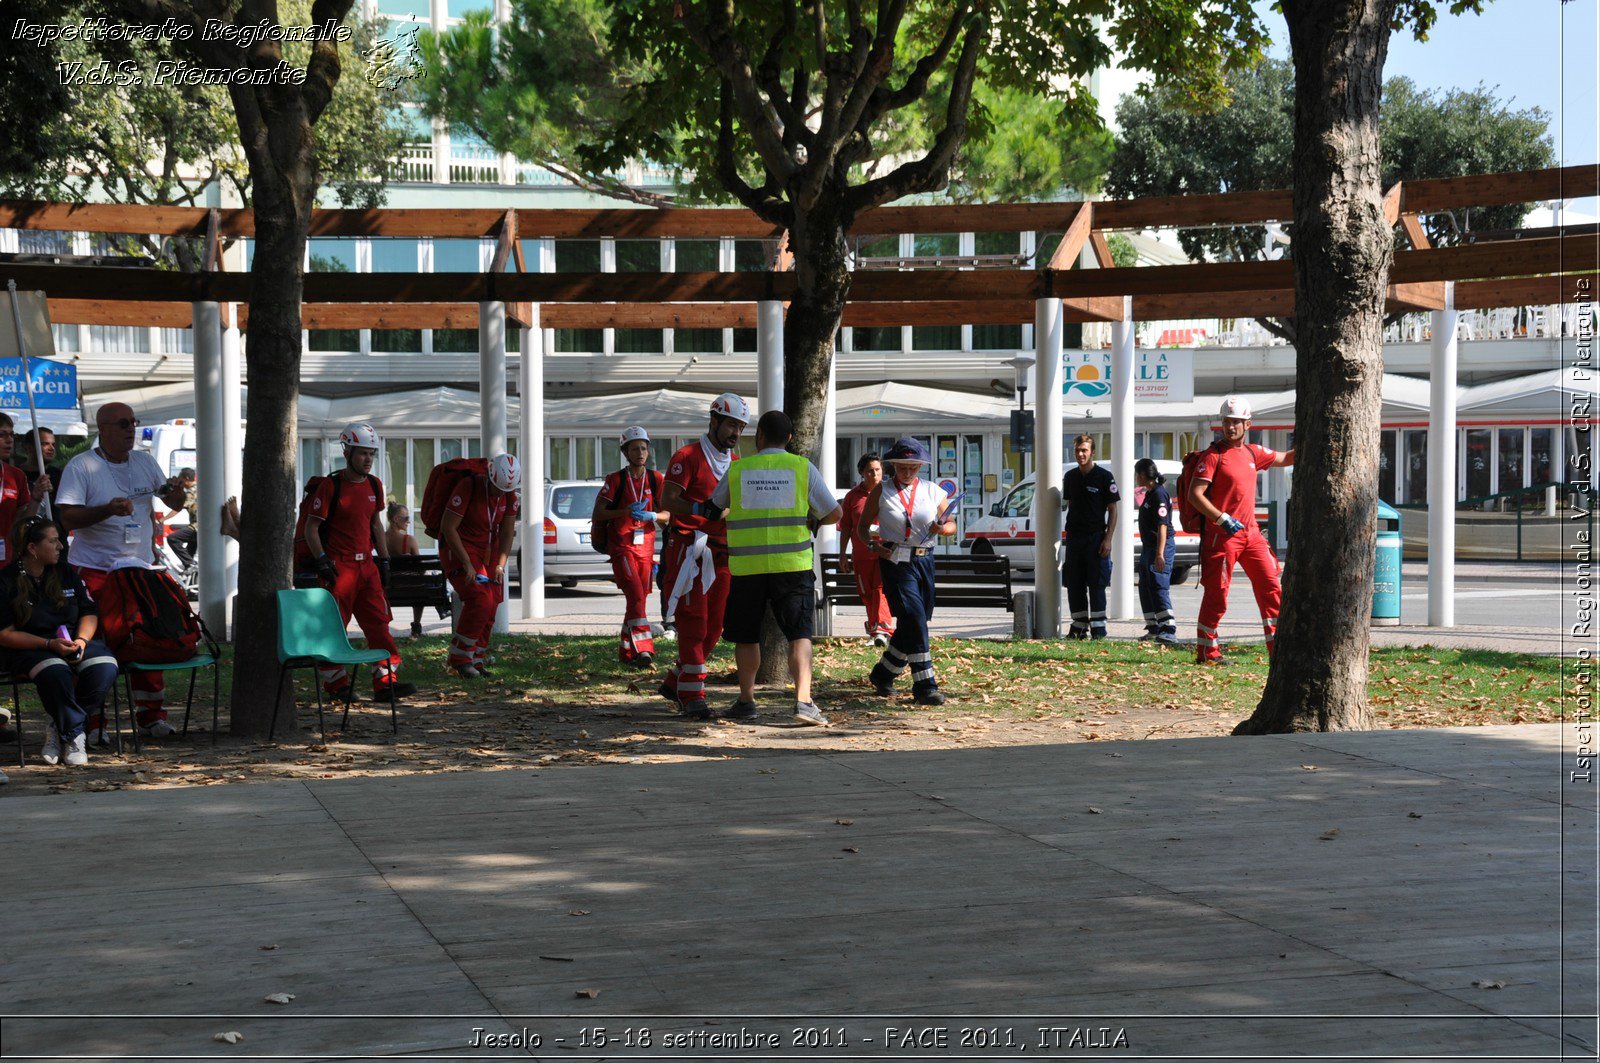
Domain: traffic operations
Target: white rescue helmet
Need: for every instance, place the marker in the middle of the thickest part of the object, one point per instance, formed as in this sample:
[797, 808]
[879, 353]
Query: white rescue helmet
[730, 406]
[360, 435]
[1236, 407]
[633, 435]
[504, 473]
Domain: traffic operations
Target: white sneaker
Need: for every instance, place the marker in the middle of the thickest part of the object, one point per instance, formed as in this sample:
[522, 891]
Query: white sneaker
[159, 729]
[5, 719]
[880, 640]
[77, 756]
[51, 751]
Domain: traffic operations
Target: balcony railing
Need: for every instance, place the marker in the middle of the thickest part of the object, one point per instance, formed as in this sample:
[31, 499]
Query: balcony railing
[479, 164]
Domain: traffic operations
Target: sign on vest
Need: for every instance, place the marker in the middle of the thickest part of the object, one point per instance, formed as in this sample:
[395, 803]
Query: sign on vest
[767, 488]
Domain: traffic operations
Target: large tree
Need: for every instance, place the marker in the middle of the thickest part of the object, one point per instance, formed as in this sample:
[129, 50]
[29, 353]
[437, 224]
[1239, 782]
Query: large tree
[1166, 149]
[278, 118]
[1318, 677]
[811, 112]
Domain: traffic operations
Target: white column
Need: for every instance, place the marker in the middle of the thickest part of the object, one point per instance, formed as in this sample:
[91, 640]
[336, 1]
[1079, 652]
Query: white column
[232, 437]
[530, 385]
[828, 456]
[769, 356]
[1048, 471]
[1124, 599]
[492, 401]
[210, 464]
[1443, 352]
[1278, 489]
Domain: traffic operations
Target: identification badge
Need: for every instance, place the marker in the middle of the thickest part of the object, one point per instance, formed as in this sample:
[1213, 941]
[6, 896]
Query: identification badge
[130, 532]
[638, 537]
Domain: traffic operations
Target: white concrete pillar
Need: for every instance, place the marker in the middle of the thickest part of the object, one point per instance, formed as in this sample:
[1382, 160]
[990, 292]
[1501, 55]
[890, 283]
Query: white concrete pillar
[492, 402]
[530, 385]
[769, 356]
[828, 452]
[232, 438]
[1047, 373]
[210, 464]
[1278, 489]
[1444, 350]
[1123, 601]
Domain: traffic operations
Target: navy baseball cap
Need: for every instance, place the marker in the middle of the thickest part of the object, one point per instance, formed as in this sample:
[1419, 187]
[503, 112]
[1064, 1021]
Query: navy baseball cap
[907, 449]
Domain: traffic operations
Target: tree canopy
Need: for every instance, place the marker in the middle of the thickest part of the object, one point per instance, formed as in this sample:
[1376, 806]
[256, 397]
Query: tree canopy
[1165, 149]
[160, 142]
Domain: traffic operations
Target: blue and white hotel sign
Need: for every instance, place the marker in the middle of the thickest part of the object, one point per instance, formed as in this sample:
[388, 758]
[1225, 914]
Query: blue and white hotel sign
[55, 384]
[1160, 375]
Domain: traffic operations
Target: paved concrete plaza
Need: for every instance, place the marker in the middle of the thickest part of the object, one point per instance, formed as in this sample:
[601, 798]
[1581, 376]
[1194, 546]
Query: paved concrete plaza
[1396, 894]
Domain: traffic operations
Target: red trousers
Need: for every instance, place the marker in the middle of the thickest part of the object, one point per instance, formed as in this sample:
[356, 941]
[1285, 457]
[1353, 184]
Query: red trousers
[358, 589]
[1218, 554]
[698, 617]
[479, 602]
[149, 688]
[869, 584]
[630, 567]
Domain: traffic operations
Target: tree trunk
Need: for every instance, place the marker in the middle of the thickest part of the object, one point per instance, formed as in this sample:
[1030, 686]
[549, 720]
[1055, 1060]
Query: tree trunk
[1343, 248]
[283, 173]
[821, 262]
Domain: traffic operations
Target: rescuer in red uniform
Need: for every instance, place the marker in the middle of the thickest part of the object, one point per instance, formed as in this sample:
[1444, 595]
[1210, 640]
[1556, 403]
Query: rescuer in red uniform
[860, 558]
[630, 503]
[1223, 489]
[344, 534]
[475, 540]
[695, 561]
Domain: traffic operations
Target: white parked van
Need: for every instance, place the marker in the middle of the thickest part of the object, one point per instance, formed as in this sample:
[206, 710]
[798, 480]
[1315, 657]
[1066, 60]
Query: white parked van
[1007, 530]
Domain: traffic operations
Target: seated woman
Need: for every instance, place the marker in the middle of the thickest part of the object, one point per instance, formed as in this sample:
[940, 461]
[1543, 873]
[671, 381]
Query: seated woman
[399, 537]
[47, 628]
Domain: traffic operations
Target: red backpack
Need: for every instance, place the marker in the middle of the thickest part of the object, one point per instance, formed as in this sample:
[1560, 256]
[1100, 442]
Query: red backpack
[145, 617]
[600, 530]
[1190, 518]
[442, 482]
[302, 552]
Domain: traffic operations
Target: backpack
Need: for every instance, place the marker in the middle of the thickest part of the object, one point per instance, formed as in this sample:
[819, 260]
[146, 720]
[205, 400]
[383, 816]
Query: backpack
[1190, 518]
[145, 617]
[600, 530]
[302, 551]
[443, 479]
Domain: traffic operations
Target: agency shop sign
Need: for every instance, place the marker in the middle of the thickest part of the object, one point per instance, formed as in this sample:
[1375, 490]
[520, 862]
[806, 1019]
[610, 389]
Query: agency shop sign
[55, 384]
[1159, 375]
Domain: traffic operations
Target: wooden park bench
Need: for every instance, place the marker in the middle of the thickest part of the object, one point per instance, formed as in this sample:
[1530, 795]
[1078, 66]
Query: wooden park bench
[960, 580]
[417, 580]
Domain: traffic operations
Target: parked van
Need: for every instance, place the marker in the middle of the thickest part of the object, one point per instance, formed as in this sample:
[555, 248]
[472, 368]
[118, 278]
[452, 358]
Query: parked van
[1007, 530]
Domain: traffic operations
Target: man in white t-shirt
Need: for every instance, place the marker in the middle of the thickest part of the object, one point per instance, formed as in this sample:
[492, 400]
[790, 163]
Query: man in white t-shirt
[105, 501]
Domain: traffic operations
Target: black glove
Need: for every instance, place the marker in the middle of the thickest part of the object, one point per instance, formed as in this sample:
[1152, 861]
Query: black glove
[325, 569]
[383, 572]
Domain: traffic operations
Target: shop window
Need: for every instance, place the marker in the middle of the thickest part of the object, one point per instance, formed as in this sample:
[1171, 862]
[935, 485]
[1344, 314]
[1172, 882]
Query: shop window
[996, 243]
[1388, 468]
[579, 340]
[695, 256]
[638, 256]
[744, 340]
[697, 341]
[1509, 459]
[936, 338]
[394, 256]
[932, 245]
[1480, 479]
[752, 256]
[996, 337]
[456, 256]
[1416, 493]
[455, 341]
[578, 256]
[877, 339]
[1541, 456]
[638, 341]
[344, 339]
[397, 341]
[332, 256]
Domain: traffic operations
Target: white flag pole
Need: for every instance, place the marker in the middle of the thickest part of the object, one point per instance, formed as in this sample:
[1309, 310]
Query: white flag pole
[27, 383]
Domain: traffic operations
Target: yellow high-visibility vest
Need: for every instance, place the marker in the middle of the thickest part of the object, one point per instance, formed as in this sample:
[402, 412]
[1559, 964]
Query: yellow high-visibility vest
[769, 496]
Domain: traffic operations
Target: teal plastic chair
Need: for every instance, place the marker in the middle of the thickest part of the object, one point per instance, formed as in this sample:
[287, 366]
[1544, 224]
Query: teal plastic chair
[210, 659]
[311, 633]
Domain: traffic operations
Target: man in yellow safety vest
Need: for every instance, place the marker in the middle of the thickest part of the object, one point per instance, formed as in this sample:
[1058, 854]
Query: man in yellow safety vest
[775, 502]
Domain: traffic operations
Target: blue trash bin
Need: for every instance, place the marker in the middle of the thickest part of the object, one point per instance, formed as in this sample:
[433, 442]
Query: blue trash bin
[1386, 573]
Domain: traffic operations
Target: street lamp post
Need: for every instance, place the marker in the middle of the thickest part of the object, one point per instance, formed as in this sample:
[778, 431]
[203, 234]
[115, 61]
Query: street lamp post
[1022, 369]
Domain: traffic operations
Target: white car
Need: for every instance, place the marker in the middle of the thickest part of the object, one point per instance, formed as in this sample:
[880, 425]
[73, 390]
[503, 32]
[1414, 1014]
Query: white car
[568, 557]
[1007, 530]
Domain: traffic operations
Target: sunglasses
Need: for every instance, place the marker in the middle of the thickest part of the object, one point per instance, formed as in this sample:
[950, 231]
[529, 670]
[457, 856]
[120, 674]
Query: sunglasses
[125, 423]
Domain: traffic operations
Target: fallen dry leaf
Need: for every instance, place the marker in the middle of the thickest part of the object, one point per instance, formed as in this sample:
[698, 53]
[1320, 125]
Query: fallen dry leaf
[557, 959]
[844, 822]
[587, 994]
[1094, 811]
[266, 948]
[278, 998]
[1309, 767]
[579, 911]
[850, 849]
[1484, 983]
[1413, 815]
[232, 1037]
[1328, 835]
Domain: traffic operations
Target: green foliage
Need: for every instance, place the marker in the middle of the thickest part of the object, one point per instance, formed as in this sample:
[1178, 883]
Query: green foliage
[585, 86]
[1165, 149]
[157, 142]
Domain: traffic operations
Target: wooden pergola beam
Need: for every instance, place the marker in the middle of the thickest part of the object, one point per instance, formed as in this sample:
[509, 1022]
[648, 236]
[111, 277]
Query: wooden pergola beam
[1527, 291]
[1410, 298]
[1176, 212]
[1495, 189]
[1072, 241]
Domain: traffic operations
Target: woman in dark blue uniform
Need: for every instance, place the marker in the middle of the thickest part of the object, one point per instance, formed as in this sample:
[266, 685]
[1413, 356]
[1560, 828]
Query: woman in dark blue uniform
[1159, 547]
